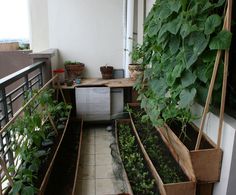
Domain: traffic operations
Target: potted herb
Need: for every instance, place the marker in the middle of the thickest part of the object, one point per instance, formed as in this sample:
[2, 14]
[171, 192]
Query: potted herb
[106, 71]
[74, 69]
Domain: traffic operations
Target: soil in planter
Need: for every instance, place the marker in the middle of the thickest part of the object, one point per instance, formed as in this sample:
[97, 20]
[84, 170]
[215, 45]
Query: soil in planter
[63, 173]
[165, 164]
[189, 138]
[141, 181]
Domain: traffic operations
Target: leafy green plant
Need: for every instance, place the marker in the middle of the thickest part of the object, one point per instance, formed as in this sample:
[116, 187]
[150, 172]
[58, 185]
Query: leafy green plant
[71, 62]
[168, 168]
[134, 163]
[31, 138]
[181, 39]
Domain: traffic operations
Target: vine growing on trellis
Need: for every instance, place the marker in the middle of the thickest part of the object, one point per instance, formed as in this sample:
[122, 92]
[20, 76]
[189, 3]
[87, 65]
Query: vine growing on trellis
[180, 42]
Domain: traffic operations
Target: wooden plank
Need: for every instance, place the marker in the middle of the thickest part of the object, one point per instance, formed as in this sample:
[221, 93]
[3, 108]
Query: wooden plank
[78, 159]
[112, 83]
[178, 150]
[184, 188]
[207, 164]
[205, 189]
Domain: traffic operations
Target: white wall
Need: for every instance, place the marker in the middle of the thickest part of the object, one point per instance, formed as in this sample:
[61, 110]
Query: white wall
[228, 177]
[89, 31]
[39, 25]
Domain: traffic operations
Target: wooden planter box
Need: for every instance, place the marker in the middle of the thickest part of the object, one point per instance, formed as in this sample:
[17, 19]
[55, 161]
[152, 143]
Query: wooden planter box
[205, 162]
[52, 159]
[128, 122]
[182, 188]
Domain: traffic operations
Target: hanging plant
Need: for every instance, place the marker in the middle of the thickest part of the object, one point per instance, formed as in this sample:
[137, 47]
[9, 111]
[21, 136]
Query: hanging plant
[181, 39]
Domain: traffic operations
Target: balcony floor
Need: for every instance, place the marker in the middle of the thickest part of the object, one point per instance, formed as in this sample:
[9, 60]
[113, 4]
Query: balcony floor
[96, 175]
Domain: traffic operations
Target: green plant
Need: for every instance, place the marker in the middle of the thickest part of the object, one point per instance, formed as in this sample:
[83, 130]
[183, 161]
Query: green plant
[168, 169]
[31, 137]
[134, 163]
[181, 39]
[71, 62]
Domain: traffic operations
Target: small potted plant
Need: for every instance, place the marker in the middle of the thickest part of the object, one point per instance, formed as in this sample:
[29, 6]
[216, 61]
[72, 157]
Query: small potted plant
[107, 71]
[74, 69]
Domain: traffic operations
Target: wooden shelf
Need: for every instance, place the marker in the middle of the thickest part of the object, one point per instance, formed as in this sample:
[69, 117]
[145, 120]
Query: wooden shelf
[112, 83]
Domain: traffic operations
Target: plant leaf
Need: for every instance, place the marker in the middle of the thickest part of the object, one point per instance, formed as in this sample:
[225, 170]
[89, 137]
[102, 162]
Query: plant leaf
[188, 79]
[187, 97]
[153, 28]
[174, 26]
[28, 190]
[16, 187]
[212, 22]
[159, 86]
[221, 41]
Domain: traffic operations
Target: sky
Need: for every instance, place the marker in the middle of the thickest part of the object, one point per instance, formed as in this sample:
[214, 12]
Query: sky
[14, 19]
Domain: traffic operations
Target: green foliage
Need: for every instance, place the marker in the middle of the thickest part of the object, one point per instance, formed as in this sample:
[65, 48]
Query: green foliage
[28, 136]
[71, 62]
[167, 168]
[178, 54]
[134, 163]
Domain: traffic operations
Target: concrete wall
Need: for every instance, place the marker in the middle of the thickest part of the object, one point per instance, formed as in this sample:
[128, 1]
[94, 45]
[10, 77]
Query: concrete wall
[88, 31]
[11, 61]
[39, 25]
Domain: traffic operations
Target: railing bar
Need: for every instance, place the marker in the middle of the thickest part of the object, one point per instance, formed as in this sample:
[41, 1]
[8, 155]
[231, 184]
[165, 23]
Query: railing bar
[33, 77]
[16, 97]
[19, 74]
[16, 89]
[34, 83]
[23, 108]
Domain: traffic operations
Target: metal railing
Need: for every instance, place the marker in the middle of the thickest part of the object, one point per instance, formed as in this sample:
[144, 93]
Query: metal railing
[13, 92]
[13, 89]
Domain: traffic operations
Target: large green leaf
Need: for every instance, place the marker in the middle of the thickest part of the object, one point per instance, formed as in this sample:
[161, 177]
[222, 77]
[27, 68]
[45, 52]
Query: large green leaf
[174, 5]
[164, 11]
[159, 86]
[221, 41]
[16, 187]
[186, 29]
[153, 28]
[174, 26]
[212, 22]
[174, 44]
[188, 79]
[186, 97]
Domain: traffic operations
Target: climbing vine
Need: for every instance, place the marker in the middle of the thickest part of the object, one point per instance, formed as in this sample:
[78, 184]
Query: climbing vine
[181, 39]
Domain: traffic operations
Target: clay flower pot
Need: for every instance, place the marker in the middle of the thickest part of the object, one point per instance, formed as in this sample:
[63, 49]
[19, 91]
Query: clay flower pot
[107, 72]
[74, 69]
[134, 71]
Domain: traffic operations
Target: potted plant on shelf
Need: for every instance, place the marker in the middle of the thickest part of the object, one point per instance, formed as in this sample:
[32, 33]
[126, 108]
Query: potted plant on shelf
[74, 69]
[107, 71]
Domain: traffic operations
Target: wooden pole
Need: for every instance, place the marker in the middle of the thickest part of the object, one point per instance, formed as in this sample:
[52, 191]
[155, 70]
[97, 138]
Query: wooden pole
[211, 87]
[225, 76]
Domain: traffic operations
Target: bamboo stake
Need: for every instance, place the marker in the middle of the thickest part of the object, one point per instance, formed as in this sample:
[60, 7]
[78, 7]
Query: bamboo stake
[209, 95]
[224, 86]
[4, 168]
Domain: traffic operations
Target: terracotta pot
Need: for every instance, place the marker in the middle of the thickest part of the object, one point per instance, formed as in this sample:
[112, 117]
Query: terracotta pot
[107, 72]
[134, 71]
[74, 70]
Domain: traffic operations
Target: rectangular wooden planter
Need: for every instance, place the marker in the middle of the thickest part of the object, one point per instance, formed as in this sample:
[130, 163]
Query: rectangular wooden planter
[205, 162]
[182, 188]
[124, 174]
[49, 168]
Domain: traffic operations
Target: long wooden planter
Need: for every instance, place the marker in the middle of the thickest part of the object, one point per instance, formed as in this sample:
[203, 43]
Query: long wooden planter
[182, 188]
[124, 174]
[204, 164]
[49, 168]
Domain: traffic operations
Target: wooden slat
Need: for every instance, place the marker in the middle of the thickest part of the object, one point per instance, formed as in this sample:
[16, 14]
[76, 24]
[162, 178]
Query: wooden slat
[78, 159]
